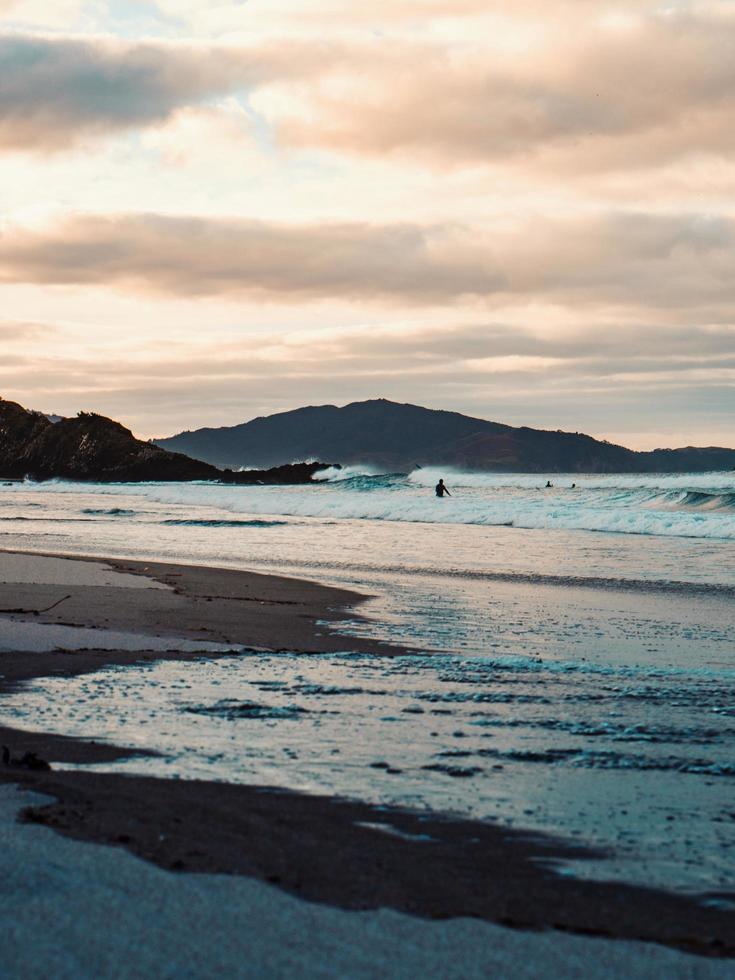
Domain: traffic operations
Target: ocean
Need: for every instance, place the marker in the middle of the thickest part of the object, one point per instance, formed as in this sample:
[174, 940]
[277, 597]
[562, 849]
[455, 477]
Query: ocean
[576, 654]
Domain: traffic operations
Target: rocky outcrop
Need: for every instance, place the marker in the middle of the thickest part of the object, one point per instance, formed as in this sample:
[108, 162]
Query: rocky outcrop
[288, 473]
[97, 449]
[19, 429]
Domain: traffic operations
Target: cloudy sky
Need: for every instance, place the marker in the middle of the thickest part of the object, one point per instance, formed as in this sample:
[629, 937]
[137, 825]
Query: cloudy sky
[217, 210]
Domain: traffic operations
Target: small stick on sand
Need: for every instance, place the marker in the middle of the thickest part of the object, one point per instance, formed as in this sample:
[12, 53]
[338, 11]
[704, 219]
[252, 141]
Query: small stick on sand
[37, 612]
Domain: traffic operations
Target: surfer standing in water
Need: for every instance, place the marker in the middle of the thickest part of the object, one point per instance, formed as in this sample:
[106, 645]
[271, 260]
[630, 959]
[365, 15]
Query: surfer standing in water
[441, 489]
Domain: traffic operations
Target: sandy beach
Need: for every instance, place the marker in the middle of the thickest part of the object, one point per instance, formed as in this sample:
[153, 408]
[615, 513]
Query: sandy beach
[335, 853]
[76, 910]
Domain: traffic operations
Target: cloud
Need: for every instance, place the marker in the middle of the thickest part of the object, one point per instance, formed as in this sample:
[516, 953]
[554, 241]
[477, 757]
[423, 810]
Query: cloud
[654, 88]
[200, 256]
[15, 333]
[630, 260]
[367, 352]
[325, 16]
[601, 98]
[56, 91]
[493, 370]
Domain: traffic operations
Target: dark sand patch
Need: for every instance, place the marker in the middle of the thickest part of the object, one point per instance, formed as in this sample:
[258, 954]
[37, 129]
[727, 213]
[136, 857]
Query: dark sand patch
[320, 849]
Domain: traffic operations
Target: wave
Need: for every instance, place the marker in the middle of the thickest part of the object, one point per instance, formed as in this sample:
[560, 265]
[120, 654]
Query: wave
[719, 590]
[340, 474]
[699, 505]
[712, 482]
[707, 501]
[361, 478]
[698, 492]
[616, 512]
[109, 511]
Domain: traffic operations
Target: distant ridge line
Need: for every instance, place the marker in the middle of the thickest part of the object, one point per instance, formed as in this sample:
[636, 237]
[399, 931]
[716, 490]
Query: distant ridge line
[397, 435]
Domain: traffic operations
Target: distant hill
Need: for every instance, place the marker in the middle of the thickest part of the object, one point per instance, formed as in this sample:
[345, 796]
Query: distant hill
[394, 436]
[94, 448]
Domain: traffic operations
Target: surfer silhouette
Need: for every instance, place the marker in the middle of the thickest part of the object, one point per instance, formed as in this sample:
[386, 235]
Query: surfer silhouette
[441, 489]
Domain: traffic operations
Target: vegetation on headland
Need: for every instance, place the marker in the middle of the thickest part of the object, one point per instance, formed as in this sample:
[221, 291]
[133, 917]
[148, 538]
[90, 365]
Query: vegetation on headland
[97, 449]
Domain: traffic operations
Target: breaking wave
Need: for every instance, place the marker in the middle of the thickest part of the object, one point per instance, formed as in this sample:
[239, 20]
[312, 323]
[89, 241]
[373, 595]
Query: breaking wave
[688, 505]
[706, 501]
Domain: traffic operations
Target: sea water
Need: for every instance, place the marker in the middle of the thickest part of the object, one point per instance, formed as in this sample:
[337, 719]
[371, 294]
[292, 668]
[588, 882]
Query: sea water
[576, 668]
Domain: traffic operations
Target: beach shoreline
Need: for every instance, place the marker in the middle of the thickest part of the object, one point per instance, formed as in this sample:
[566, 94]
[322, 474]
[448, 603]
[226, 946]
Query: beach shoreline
[233, 609]
[335, 852]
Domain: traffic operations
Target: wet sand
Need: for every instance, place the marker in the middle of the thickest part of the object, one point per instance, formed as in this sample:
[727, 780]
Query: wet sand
[347, 855]
[75, 910]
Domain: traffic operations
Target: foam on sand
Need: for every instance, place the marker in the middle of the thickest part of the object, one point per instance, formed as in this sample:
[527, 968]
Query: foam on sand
[94, 911]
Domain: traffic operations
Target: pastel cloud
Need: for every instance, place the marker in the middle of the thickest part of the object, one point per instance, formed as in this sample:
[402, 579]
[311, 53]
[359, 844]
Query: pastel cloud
[56, 91]
[658, 89]
[487, 368]
[620, 99]
[624, 259]
[324, 17]
[201, 256]
[241, 184]
[21, 333]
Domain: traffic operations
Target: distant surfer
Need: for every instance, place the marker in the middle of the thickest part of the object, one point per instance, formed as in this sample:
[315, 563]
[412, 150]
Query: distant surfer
[441, 489]
[549, 484]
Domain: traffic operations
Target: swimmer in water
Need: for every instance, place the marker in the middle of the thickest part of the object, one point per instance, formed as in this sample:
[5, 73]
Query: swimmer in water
[440, 489]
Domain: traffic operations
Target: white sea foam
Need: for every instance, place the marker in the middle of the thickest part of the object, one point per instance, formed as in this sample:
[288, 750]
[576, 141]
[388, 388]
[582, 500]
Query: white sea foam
[696, 507]
[337, 474]
[716, 480]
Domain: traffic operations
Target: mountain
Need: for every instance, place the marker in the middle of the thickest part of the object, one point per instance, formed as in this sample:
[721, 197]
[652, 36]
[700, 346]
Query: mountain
[397, 437]
[94, 448]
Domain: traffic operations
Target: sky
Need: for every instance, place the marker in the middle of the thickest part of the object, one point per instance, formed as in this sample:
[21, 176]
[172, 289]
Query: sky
[215, 209]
